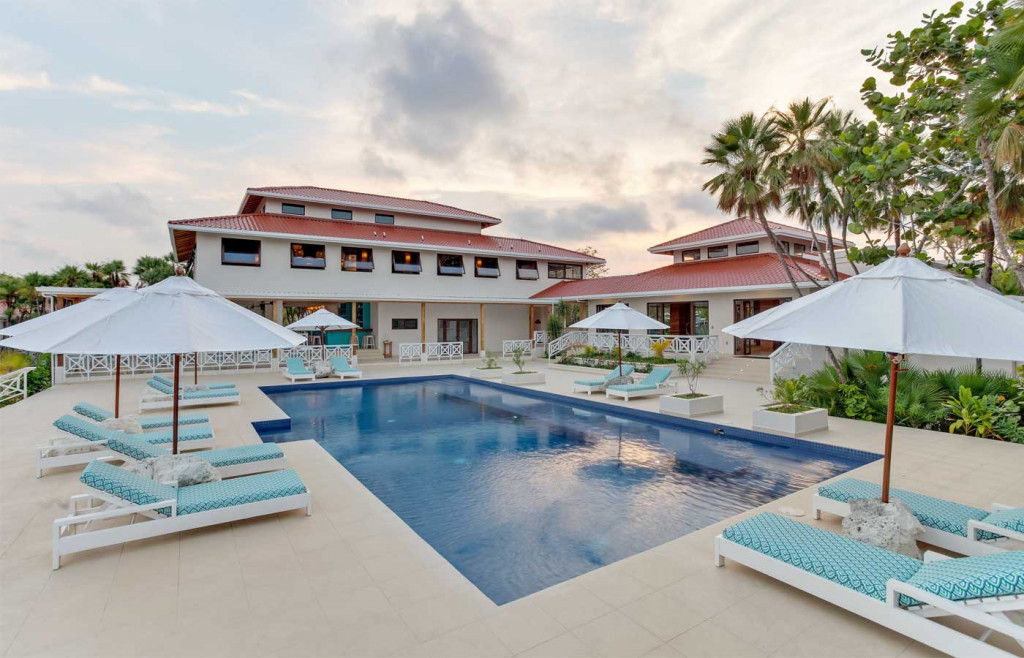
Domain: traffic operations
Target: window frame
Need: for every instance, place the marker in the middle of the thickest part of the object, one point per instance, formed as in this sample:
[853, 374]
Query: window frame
[565, 271]
[685, 252]
[258, 253]
[462, 265]
[478, 265]
[377, 216]
[719, 247]
[395, 322]
[344, 260]
[350, 217]
[798, 249]
[536, 269]
[415, 261]
[300, 206]
[292, 256]
[755, 243]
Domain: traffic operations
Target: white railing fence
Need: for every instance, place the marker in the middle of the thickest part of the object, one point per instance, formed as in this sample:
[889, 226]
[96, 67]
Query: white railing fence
[690, 346]
[14, 384]
[410, 352]
[540, 337]
[792, 360]
[509, 347]
[313, 353]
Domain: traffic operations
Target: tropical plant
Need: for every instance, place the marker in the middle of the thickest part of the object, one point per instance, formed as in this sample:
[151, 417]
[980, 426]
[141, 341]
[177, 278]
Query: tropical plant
[691, 371]
[154, 269]
[11, 361]
[490, 360]
[554, 327]
[519, 358]
[971, 414]
[659, 347]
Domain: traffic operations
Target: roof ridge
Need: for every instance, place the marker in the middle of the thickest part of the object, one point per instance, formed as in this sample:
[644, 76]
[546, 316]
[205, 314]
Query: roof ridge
[268, 188]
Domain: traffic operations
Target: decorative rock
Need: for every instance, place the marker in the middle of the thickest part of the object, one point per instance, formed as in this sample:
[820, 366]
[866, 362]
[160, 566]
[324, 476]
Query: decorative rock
[626, 379]
[192, 388]
[323, 368]
[791, 511]
[891, 525]
[183, 469]
[126, 424]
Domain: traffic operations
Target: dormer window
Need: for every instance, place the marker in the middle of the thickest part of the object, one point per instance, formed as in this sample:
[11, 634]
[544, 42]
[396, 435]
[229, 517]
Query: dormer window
[405, 262]
[450, 265]
[338, 213]
[718, 252]
[293, 209]
[384, 219]
[690, 255]
[744, 248]
[356, 259]
[798, 248]
[308, 256]
[564, 271]
[527, 270]
[487, 267]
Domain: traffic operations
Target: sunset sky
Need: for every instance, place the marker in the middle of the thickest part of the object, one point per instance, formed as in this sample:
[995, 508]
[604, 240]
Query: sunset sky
[579, 123]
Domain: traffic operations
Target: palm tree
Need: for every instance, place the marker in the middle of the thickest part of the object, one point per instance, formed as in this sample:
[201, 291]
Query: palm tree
[152, 269]
[114, 272]
[71, 276]
[749, 181]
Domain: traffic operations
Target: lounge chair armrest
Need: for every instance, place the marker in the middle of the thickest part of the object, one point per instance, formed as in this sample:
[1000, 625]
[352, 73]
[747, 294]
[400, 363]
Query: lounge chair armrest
[116, 512]
[999, 507]
[894, 588]
[64, 442]
[974, 527]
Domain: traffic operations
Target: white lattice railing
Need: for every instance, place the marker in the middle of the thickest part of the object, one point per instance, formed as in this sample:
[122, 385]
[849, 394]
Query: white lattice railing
[313, 353]
[87, 366]
[509, 347]
[540, 337]
[636, 343]
[792, 360]
[409, 352]
[14, 384]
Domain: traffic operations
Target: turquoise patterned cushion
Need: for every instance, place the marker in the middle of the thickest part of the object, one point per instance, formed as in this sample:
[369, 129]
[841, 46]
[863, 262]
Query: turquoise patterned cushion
[99, 414]
[1011, 519]
[633, 387]
[243, 454]
[166, 381]
[126, 485]
[239, 491]
[195, 433]
[135, 447]
[933, 512]
[219, 393]
[860, 567]
[160, 386]
[1001, 574]
[591, 382]
[341, 364]
[91, 411]
[82, 429]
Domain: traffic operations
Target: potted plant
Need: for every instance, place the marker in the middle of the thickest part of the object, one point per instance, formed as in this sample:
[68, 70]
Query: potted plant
[489, 369]
[787, 412]
[522, 376]
[693, 403]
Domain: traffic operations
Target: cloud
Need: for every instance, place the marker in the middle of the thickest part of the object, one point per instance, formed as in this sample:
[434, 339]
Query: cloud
[115, 205]
[377, 167]
[442, 85]
[21, 66]
[15, 81]
[582, 221]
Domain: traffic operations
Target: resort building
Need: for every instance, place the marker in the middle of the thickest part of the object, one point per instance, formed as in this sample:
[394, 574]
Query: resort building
[405, 271]
[718, 276]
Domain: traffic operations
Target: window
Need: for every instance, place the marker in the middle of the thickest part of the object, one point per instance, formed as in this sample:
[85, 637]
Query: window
[384, 219]
[405, 262]
[701, 318]
[404, 323]
[690, 255]
[338, 213]
[450, 265]
[747, 248]
[527, 269]
[355, 259]
[798, 248]
[308, 256]
[662, 313]
[487, 267]
[785, 246]
[718, 252]
[234, 251]
[564, 271]
[293, 209]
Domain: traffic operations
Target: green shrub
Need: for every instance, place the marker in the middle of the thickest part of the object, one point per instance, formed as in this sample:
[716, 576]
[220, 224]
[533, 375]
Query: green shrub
[691, 370]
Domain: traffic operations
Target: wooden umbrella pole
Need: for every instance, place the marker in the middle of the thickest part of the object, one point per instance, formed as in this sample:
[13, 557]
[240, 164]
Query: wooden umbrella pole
[894, 372]
[174, 418]
[195, 368]
[323, 344]
[117, 387]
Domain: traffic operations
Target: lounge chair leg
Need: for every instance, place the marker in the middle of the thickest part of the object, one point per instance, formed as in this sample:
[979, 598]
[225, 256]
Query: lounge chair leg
[56, 549]
[719, 560]
[815, 510]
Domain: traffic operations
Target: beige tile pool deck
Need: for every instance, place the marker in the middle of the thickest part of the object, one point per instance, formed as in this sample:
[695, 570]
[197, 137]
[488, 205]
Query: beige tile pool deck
[354, 580]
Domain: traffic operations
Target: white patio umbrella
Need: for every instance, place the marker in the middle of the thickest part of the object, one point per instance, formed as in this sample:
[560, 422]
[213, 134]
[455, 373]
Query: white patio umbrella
[175, 316]
[619, 318]
[321, 321]
[901, 307]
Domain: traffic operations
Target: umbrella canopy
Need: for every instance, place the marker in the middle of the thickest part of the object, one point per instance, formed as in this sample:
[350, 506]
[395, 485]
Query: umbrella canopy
[903, 306]
[619, 318]
[322, 320]
[92, 307]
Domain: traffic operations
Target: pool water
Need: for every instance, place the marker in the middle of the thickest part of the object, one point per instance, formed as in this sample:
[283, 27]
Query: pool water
[522, 490]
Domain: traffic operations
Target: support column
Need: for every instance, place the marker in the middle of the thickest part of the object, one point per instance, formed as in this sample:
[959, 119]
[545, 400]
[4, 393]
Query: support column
[482, 343]
[279, 311]
[529, 333]
[423, 322]
[355, 334]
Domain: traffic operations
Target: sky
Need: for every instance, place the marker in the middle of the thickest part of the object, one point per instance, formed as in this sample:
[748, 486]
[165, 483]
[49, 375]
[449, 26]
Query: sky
[576, 122]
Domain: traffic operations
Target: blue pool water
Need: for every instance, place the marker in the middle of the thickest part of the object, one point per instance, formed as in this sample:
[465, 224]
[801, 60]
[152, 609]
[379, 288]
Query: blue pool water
[523, 490]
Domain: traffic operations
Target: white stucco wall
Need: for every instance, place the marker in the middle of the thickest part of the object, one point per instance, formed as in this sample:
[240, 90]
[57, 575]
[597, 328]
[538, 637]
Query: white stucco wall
[323, 211]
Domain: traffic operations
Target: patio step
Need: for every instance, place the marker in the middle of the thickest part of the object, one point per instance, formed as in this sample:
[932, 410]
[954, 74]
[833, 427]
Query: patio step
[755, 371]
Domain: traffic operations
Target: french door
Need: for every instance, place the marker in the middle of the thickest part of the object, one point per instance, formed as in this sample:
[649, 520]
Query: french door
[459, 331]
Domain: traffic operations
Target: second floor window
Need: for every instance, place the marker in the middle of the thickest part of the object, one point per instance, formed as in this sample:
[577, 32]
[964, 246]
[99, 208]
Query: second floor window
[356, 259]
[564, 271]
[450, 265]
[748, 247]
[405, 262]
[338, 213]
[718, 252]
[384, 219]
[487, 267]
[527, 269]
[234, 251]
[308, 256]
[293, 209]
[798, 248]
[690, 255]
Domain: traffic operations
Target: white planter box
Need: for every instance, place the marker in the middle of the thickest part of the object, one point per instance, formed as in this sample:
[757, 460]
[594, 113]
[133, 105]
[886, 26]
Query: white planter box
[690, 407]
[523, 378]
[486, 373]
[790, 424]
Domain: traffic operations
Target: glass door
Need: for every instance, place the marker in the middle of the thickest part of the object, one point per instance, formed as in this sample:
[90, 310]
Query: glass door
[459, 331]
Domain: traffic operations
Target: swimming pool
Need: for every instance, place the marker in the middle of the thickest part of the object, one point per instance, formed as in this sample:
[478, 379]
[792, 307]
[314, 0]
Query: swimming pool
[521, 490]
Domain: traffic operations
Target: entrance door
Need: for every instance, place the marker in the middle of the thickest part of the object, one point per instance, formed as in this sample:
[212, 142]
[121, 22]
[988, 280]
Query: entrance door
[456, 331]
[745, 308]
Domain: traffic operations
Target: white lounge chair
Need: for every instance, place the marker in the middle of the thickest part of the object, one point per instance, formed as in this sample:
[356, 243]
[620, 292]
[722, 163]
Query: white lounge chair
[148, 423]
[895, 591]
[652, 384]
[589, 386]
[959, 528]
[229, 462]
[340, 367]
[167, 381]
[82, 441]
[295, 370]
[117, 493]
[187, 398]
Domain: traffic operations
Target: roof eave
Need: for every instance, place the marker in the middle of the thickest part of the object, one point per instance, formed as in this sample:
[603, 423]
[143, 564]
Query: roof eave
[679, 291]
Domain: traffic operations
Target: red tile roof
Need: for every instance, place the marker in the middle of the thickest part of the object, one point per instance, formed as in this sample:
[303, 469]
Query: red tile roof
[339, 231]
[732, 229]
[253, 195]
[735, 272]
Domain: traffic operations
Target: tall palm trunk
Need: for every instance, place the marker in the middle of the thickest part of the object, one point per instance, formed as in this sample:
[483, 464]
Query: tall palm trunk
[778, 251]
[831, 246]
[998, 230]
[990, 238]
